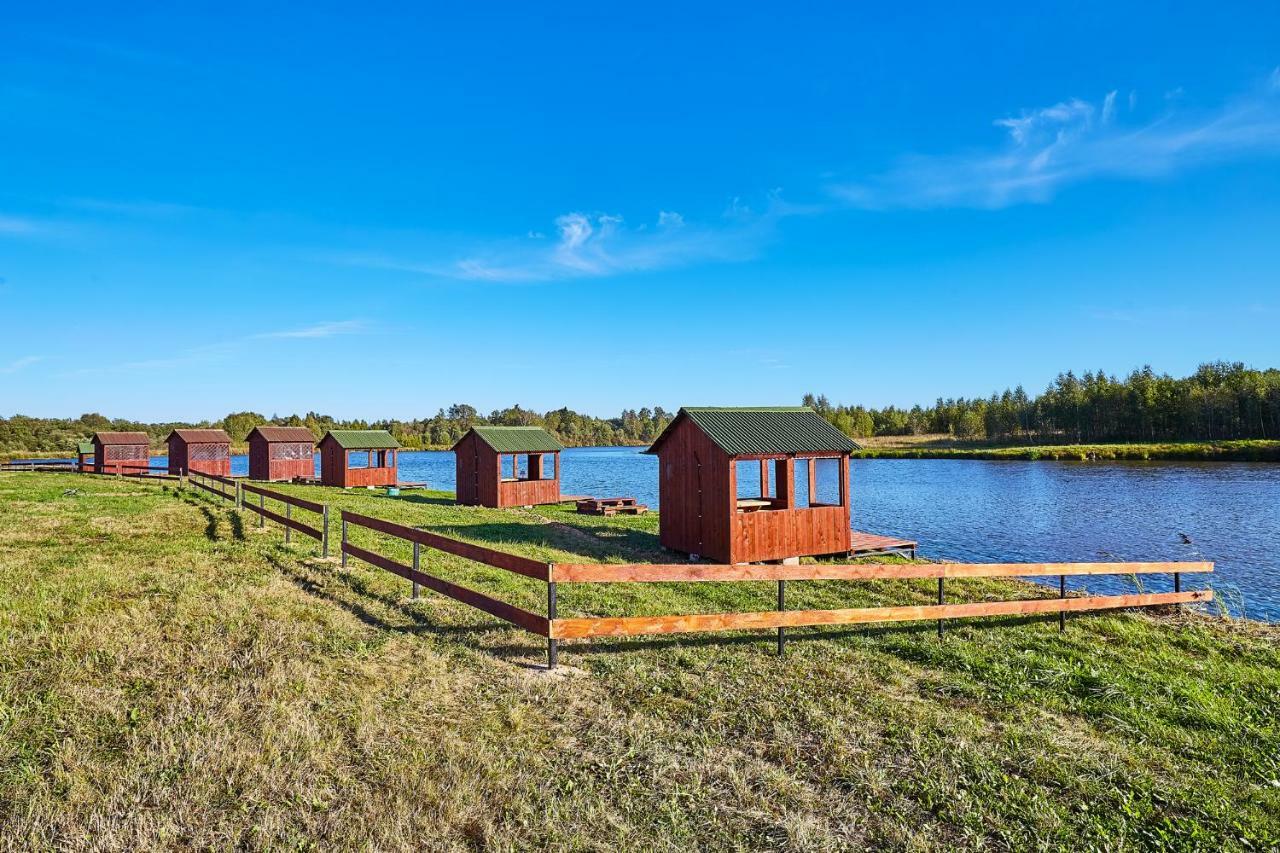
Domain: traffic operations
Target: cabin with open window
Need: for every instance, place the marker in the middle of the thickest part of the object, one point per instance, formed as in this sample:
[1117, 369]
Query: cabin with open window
[84, 456]
[205, 450]
[746, 485]
[505, 466]
[120, 452]
[351, 458]
[281, 453]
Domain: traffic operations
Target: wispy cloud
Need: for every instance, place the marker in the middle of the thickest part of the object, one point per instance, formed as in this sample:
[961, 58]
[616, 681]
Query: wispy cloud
[594, 245]
[1073, 141]
[20, 364]
[220, 350]
[319, 330]
[139, 208]
[17, 225]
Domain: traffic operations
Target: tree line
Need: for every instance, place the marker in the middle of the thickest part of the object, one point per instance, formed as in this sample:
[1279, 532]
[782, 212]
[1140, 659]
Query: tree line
[21, 433]
[1221, 401]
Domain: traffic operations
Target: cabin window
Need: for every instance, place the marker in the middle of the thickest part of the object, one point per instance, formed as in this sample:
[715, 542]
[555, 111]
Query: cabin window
[802, 483]
[828, 489]
[757, 480]
[359, 458]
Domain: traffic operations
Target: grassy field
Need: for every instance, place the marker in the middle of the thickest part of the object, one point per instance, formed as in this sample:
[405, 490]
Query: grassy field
[171, 675]
[942, 447]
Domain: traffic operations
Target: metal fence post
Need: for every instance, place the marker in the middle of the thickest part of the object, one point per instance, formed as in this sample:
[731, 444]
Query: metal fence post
[239, 495]
[782, 605]
[324, 534]
[1062, 593]
[344, 543]
[942, 599]
[553, 645]
[262, 504]
[416, 552]
[288, 514]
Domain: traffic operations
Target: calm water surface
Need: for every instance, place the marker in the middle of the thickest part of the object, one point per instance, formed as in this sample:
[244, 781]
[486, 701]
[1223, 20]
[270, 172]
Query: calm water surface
[1019, 511]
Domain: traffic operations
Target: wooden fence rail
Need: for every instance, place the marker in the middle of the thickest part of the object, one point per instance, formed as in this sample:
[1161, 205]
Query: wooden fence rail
[528, 620]
[213, 484]
[320, 534]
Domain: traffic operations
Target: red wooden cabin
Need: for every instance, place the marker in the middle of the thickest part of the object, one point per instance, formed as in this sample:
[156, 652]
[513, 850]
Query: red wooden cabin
[114, 452]
[84, 456]
[205, 450]
[483, 476]
[281, 453]
[743, 485]
[358, 457]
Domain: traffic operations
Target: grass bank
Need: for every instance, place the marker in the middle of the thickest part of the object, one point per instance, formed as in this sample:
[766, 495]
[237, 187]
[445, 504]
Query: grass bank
[1206, 451]
[171, 675]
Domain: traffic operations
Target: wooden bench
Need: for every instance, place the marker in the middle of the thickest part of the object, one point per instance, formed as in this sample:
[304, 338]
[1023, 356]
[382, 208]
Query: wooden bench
[611, 506]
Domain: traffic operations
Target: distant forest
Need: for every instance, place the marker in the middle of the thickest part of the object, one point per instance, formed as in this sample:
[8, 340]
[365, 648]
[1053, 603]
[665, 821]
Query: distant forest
[1220, 401]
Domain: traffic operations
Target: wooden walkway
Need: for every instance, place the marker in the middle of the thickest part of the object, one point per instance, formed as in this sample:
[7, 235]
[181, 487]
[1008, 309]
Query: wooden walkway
[865, 544]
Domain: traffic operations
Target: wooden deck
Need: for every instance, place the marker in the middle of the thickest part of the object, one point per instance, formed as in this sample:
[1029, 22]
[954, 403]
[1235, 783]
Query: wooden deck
[863, 544]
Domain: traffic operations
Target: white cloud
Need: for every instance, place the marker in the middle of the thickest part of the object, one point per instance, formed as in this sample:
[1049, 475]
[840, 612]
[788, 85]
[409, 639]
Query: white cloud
[1071, 142]
[669, 219]
[20, 364]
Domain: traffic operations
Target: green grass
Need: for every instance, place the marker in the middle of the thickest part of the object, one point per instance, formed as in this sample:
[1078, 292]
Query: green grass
[173, 676]
[1202, 451]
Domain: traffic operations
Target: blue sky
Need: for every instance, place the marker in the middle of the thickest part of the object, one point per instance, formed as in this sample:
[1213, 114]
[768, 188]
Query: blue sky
[215, 208]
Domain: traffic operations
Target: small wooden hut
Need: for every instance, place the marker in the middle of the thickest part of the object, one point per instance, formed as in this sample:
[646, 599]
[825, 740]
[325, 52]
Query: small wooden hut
[358, 457]
[119, 452]
[84, 456]
[742, 485]
[281, 453]
[205, 450]
[488, 466]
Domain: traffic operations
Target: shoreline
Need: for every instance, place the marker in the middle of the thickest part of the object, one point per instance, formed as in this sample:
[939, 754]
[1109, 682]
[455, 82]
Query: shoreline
[1250, 450]
[1247, 450]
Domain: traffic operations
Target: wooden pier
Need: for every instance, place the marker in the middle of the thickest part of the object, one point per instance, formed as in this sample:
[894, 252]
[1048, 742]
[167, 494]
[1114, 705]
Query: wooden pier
[863, 544]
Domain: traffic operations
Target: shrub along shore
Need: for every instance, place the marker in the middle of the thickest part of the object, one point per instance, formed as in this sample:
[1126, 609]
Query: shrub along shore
[173, 675]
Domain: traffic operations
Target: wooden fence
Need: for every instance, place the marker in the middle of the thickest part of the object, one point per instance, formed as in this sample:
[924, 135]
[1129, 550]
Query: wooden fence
[224, 487]
[529, 621]
[320, 534]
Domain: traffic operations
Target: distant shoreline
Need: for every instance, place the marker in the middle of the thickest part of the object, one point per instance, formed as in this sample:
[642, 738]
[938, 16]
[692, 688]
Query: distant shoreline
[1189, 451]
[1254, 450]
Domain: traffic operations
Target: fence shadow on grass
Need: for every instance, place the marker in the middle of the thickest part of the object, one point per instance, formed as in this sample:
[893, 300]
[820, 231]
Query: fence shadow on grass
[213, 521]
[422, 499]
[419, 623]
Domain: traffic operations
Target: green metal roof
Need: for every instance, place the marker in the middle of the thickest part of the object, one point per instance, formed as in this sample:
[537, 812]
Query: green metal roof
[362, 439]
[518, 439]
[83, 447]
[764, 431]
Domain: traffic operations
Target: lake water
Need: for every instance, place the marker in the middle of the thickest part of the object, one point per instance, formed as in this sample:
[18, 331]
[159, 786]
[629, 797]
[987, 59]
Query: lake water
[1018, 511]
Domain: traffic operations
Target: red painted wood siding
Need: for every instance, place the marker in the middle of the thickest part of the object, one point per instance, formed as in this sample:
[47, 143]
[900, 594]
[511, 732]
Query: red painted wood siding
[263, 467]
[334, 470]
[478, 469]
[205, 457]
[698, 489]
